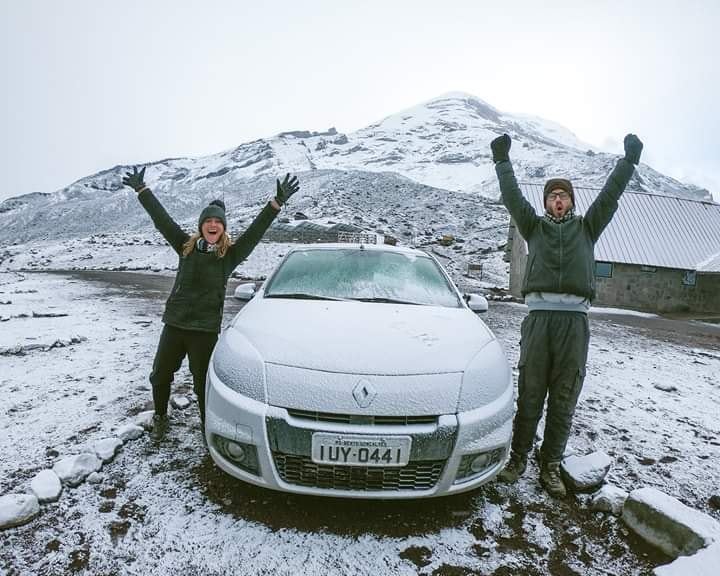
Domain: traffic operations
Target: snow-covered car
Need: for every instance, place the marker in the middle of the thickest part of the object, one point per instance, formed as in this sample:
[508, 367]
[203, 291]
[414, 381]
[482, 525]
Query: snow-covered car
[359, 371]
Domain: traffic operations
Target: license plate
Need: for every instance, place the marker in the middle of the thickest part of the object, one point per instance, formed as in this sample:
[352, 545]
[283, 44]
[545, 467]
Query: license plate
[354, 450]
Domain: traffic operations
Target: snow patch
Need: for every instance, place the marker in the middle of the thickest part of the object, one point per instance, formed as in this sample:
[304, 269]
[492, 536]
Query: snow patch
[705, 562]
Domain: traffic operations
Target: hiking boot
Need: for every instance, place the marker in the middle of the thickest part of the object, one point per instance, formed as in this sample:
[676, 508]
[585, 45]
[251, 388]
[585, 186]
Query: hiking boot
[551, 479]
[160, 425]
[514, 468]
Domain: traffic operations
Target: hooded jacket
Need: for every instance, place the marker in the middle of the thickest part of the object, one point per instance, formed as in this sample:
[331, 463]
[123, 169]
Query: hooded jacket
[198, 295]
[561, 255]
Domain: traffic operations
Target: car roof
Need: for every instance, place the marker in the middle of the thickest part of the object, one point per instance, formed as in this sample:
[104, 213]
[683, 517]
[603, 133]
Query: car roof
[348, 246]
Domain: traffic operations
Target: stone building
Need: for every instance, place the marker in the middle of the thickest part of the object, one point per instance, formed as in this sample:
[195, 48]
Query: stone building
[659, 253]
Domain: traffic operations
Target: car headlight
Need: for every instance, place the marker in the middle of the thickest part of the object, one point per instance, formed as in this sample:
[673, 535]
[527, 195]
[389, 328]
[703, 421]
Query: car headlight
[485, 378]
[239, 365]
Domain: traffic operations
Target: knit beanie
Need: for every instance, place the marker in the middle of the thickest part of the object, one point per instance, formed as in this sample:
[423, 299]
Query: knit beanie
[561, 183]
[216, 209]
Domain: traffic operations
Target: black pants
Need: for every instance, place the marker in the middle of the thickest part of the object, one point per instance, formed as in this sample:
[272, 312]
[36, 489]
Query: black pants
[553, 354]
[174, 344]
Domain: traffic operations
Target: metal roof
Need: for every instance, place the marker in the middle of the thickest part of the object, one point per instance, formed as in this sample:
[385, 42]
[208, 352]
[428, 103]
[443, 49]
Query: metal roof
[652, 230]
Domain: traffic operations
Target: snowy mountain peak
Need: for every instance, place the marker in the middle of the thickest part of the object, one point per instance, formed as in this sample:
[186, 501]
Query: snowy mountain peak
[443, 143]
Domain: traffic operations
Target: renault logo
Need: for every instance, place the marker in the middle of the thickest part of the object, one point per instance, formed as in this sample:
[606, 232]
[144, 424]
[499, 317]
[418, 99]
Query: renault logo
[364, 393]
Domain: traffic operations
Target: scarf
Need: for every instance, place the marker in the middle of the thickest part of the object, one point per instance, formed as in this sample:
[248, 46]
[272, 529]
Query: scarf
[569, 215]
[204, 246]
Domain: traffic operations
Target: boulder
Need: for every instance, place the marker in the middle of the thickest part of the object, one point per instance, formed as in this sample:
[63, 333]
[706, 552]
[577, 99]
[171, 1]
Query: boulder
[145, 419]
[95, 478]
[585, 472]
[74, 469]
[129, 432]
[107, 448]
[17, 509]
[46, 486]
[705, 562]
[667, 523]
[714, 501]
[609, 498]
[180, 402]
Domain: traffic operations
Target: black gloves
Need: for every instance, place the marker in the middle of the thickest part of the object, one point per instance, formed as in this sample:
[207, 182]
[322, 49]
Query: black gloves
[501, 148]
[286, 188]
[633, 148]
[135, 179]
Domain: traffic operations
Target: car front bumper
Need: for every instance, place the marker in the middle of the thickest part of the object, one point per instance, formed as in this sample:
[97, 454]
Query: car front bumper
[283, 445]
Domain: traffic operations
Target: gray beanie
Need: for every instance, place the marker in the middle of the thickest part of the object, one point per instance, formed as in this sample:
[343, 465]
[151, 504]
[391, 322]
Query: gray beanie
[216, 209]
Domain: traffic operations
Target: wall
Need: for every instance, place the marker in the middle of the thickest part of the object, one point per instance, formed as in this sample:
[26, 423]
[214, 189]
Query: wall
[631, 287]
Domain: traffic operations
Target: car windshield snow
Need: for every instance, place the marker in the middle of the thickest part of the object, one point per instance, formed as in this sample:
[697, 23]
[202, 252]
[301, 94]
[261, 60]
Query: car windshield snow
[365, 275]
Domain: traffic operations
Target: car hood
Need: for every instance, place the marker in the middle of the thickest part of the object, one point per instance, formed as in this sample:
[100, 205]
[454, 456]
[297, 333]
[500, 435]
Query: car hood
[362, 337]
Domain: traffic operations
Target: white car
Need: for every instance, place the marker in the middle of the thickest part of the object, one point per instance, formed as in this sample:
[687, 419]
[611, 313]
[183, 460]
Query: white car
[359, 371]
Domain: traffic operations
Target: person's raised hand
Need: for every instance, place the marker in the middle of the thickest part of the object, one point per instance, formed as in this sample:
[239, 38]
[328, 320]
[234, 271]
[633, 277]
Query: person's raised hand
[286, 188]
[500, 147]
[135, 179]
[633, 148]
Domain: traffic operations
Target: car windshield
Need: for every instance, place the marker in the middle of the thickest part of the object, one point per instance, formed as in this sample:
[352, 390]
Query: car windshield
[366, 275]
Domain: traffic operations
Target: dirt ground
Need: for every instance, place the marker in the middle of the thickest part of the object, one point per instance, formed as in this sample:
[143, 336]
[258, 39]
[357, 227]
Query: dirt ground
[163, 506]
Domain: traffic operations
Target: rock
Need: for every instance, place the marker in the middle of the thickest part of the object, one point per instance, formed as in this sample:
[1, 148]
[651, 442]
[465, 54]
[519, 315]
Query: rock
[667, 523]
[129, 432]
[145, 419]
[666, 387]
[714, 501]
[17, 509]
[584, 472]
[95, 478]
[46, 486]
[609, 499]
[300, 216]
[705, 562]
[107, 448]
[74, 469]
[180, 402]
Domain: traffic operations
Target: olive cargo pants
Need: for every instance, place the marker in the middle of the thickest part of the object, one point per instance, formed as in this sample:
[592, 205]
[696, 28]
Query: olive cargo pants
[553, 354]
[174, 344]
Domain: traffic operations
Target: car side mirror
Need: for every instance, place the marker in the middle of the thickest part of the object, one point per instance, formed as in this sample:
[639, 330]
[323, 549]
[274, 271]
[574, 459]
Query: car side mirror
[245, 291]
[476, 302]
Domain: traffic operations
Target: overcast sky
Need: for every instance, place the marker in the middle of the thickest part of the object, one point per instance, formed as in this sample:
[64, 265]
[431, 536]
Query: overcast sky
[88, 84]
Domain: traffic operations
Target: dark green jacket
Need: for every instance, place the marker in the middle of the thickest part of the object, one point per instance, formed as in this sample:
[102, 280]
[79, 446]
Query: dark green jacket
[561, 256]
[197, 297]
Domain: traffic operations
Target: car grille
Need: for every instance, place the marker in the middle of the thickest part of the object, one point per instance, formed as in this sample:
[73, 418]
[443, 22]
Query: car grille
[358, 419]
[302, 471]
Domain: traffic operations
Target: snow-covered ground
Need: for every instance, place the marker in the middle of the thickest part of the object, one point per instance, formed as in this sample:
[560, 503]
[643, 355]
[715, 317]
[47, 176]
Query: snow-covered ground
[75, 357]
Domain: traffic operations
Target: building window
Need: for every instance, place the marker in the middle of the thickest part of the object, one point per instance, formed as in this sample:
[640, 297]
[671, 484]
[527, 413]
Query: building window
[689, 278]
[603, 269]
[648, 269]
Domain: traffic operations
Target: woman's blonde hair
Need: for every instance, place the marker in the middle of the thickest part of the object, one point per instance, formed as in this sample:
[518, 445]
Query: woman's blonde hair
[222, 246]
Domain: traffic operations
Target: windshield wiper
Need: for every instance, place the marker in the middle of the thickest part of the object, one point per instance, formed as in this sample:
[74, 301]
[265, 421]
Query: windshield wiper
[388, 301]
[301, 296]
